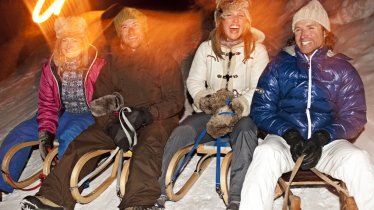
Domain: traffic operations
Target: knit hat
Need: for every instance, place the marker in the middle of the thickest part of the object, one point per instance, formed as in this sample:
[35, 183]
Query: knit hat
[224, 6]
[129, 13]
[70, 26]
[312, 11]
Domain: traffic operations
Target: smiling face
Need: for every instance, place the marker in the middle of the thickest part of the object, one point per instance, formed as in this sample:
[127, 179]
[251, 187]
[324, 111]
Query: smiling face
[132, 33]
[233, 24]
[71, 47]
[309, 36]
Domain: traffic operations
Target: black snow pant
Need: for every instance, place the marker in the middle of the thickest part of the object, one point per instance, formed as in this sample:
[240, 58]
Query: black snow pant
[142, 188]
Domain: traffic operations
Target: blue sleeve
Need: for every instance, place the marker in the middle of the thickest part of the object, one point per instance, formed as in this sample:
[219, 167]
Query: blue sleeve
[264, 108]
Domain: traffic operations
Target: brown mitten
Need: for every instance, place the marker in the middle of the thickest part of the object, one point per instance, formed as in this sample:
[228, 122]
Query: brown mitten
[237, 106]
[106, 104]
[221, 123]
[205, 104]
[219, 99]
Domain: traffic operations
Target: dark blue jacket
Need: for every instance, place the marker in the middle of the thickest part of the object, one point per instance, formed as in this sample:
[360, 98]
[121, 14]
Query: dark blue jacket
[336, 100]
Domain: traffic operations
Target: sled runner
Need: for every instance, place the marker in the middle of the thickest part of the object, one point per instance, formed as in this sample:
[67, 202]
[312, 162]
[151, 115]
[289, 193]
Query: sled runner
[118, 171]
[40, 174]
[309, 178]
[207, 152]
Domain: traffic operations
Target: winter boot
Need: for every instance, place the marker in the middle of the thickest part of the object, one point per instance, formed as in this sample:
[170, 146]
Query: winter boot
[160, 203]
[137, 208]
[233, 205]
[38, 202]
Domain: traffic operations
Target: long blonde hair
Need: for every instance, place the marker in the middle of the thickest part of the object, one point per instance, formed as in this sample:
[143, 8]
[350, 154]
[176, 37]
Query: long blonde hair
[59, 57]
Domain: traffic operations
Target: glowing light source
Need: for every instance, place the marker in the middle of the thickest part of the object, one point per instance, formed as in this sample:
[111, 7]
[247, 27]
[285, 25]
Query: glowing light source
[55, 8]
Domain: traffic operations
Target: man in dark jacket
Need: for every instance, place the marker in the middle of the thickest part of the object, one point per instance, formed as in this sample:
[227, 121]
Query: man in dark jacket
[150, 84]
[311, 102]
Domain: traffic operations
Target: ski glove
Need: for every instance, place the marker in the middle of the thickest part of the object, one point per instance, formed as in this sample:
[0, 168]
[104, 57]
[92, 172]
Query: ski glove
[313, 149]
[45, 143]
[119, 137]
[296, 142]
[106, 104]
[138, 117]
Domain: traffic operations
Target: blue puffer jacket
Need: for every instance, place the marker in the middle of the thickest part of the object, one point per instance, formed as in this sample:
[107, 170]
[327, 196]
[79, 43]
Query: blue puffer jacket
[334, 93]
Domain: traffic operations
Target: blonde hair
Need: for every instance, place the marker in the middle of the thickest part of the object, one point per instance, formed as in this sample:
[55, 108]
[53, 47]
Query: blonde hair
[59, 57]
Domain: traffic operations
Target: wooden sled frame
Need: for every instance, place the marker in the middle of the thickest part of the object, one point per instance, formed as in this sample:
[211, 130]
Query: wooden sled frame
[74, 180]
[207, 157]
[312, 177]
[21, 184]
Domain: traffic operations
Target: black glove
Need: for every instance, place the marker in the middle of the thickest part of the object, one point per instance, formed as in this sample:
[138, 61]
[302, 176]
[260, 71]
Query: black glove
[296, 142]
[139, 117]
[106, 104]
[313, 149]
[45, 143]
[119, 137]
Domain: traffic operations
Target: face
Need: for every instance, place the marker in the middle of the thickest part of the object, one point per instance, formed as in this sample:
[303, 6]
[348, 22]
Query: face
[309, 36]
[233, 24]
[132, 33]
[71, 47]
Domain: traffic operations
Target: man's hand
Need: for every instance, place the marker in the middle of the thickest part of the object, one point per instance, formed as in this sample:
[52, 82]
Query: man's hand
[313, 149]
[45, 143]
[296, 142]
[119, 137]
[139, 117]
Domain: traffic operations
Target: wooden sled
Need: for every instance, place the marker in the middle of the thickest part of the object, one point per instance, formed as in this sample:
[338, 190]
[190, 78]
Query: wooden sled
[311, 177]
[22, 184]
[207, 155]
[75, 183]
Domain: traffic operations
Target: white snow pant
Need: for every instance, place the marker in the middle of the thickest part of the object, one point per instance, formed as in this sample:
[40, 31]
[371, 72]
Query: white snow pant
[340, 159]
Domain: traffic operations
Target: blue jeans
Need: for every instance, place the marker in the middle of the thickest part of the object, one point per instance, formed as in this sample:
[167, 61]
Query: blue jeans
[69, 127]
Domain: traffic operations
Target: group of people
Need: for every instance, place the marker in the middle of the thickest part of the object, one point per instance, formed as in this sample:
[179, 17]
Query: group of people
[309, 101]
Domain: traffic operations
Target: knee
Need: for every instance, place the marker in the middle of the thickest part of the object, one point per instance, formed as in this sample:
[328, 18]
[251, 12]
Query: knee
[246, 124]
[356, 158]
[267, 152]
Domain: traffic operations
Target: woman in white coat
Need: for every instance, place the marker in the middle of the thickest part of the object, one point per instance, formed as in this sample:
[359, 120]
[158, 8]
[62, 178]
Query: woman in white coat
[232, 61]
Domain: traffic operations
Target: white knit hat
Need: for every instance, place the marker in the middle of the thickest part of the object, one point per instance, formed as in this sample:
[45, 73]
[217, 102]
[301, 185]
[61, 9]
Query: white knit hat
[312, 11]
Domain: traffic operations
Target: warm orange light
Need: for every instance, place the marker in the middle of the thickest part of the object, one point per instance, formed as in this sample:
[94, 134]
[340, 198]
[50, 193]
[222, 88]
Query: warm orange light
[55, 8]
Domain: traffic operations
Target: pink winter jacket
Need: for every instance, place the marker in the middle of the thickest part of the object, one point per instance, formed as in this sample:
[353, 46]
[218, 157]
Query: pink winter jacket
[49, 105]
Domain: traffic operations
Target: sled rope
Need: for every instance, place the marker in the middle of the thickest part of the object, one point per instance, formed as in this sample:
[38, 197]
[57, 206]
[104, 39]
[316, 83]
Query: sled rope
[122, 116]
[330, 182]
[98, 169]
[293, 174]
[188, 157]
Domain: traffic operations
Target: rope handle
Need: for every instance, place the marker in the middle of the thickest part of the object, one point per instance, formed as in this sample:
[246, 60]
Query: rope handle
[123, 117]
[330, 182]
[298, 163]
